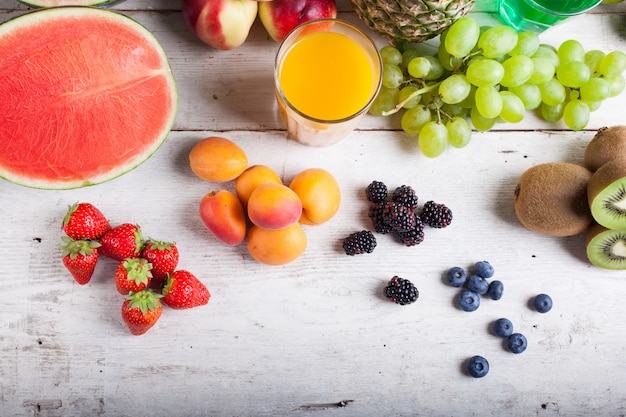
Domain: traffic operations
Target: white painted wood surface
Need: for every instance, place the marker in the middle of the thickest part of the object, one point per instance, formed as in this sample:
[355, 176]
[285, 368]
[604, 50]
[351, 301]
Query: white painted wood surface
[315, 337]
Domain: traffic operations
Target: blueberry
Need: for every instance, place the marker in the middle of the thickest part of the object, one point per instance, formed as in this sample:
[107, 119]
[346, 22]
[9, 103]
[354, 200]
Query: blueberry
[477, 284]
[483, 269]
[495, 290]
[543, 303]
[469, 300]
[503, 327]
[477, 366]
[517, 343]
[456, 276]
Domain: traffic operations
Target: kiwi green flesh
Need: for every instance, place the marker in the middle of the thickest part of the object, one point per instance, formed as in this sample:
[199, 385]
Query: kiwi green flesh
[607, 249]
[608, 208]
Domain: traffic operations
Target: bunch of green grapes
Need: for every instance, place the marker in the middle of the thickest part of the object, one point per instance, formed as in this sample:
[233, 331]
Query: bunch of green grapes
[487, 75]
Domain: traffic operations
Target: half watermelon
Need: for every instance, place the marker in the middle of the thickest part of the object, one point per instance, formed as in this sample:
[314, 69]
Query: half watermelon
[87, 95]
[53, 3]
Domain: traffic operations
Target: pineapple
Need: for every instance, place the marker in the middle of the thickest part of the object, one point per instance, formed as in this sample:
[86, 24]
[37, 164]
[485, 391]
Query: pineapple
[402, 21]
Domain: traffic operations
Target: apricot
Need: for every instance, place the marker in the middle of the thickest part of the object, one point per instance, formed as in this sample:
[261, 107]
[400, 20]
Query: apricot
[217, 159]
[222, 213]
[274, 206]
[320, 195]
[251, 178]
[276, 247]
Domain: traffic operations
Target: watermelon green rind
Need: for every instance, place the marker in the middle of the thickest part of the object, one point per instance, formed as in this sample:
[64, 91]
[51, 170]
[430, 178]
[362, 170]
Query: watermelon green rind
[54, 3]
[88, 95]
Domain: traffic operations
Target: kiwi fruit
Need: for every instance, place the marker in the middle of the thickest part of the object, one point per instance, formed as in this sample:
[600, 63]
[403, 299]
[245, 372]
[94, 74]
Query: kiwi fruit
[606, 248]
[551, 198]
[607, 144]
[607, 194]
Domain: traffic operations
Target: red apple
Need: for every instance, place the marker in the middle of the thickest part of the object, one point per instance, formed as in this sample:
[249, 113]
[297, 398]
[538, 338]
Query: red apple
[223, 24]
[279, 17]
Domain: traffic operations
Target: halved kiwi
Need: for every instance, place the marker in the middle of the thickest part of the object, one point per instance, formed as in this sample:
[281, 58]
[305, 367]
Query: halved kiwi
[551, 198]
[607, 144]
[606, 193]
[606, 248]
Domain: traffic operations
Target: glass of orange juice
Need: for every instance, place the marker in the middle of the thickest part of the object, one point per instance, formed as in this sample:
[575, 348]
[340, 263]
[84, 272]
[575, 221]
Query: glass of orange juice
[326, 75]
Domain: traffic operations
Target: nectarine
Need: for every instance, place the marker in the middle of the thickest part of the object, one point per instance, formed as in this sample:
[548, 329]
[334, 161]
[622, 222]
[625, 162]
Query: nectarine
[320, 195]
[274, 206]
[276, 247]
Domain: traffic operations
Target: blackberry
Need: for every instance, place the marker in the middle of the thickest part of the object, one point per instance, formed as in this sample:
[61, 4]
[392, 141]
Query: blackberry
[399, 217]
[359, 242]
[436, 215]
[401, 291]
[405, 194]
[413, 236]
[378, 221]
[376, 192]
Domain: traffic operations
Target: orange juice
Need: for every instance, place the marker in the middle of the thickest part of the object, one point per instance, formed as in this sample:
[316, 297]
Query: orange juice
[327, 76]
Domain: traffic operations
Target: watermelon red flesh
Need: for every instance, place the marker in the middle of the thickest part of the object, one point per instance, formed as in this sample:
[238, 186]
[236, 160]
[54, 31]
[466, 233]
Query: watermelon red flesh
[87, 95]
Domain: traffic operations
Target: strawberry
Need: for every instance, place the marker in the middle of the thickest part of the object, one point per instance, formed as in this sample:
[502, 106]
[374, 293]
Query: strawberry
[84, 221]
[132, 274]
[183, 290]
[163, 256]
[141, 310]
[80, 258]
[121, 242]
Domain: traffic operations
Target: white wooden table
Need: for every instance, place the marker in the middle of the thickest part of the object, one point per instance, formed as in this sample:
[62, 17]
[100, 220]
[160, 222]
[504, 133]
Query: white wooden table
[315, 337]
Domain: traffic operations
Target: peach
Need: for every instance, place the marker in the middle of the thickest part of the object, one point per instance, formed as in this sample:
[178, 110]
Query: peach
[251, 178]
[274, 206]
[222, 213]
[320, 195]
[276, 247]
[217, 159]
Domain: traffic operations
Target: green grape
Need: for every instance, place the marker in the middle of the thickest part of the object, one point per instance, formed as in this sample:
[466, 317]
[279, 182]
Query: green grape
[552, 92]
[529, 94]
[543, 70]
[527, 44]
[433, 139]
[613, 64]
[386, 100]
[454, 110]
[547, 51]
[484, 72]
[480, 122]
[414, 119]
[448, 61]
[454, 89]
[517, 70]
[512, 107]
[407, 91]
[617, 85]
[390, 55]
[573, 74]
[497, 41]
[596, 89]
[552, 114]
[436, 69]
[488, 102]
[462, 36]
[469, 101]
[571, 50]
[459, 132]
[419, 67]
[392, 76]
[408, 55]
[592, 59]
[576, 114]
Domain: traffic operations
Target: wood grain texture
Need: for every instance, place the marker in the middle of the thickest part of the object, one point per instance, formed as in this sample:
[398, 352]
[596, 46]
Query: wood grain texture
[315, 337]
